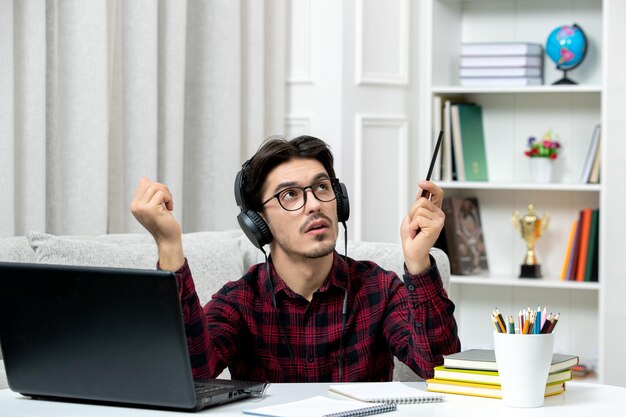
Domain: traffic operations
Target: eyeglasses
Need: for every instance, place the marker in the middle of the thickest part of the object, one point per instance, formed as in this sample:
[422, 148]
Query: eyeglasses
[294, 198]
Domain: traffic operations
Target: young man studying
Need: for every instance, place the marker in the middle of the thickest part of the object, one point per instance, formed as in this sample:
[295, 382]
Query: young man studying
[309, 314]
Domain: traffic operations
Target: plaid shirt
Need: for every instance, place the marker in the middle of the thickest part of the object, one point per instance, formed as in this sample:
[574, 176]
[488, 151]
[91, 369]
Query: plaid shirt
[241, 329]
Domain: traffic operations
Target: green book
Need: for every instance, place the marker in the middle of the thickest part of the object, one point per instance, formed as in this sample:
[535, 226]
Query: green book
[485, 360]
[473, 142]
[592, 247]
[489, 377]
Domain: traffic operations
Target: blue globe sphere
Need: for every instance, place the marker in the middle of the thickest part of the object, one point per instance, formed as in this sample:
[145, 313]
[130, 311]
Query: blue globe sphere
[567, 46]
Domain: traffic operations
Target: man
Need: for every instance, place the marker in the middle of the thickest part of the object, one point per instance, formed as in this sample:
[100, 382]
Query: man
[308, 314]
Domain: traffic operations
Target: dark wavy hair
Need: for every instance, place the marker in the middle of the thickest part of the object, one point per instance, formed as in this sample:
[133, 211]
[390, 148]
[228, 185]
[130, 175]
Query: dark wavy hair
[277, 150]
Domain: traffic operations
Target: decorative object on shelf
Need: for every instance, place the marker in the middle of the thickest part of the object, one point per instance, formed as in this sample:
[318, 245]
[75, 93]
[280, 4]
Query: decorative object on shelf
[462, 236]
[567, 47]
[541, 153]
[531, 228]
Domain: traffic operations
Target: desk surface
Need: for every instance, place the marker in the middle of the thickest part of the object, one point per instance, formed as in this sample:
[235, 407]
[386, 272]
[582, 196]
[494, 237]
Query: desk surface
[580, 399]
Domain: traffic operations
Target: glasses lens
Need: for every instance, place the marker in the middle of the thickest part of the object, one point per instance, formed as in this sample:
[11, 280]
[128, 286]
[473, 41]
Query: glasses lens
[323, 190]
[294, 198]
[291, 198]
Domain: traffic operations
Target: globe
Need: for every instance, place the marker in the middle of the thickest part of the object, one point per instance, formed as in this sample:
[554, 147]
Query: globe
[567, 47]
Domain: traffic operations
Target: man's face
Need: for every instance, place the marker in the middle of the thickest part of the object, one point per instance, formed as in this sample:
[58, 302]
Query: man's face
[309, 232]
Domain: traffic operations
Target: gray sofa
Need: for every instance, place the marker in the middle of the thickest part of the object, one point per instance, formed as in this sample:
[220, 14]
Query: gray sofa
[214, 258]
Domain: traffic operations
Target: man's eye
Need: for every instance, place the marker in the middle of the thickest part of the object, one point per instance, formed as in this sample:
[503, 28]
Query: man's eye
[289, 195]
[322, 186]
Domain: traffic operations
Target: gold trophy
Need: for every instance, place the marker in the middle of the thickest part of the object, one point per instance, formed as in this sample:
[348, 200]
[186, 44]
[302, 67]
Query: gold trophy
[531, 228]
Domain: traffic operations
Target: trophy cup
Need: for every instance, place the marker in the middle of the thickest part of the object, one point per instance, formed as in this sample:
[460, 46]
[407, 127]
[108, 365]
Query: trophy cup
[531, 228]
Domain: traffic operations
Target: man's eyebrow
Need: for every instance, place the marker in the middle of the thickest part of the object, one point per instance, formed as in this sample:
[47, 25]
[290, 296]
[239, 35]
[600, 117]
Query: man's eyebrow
[281, 186]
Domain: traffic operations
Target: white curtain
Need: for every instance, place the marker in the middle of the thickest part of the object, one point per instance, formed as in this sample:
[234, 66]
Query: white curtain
[95, 94]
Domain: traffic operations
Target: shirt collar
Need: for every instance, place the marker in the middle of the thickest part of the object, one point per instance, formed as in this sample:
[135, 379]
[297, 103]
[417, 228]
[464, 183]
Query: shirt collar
[338, 277]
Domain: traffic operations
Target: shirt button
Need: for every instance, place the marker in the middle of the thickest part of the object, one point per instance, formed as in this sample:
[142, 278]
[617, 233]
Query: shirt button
[411, 287]
[418, 324]
[310, 359]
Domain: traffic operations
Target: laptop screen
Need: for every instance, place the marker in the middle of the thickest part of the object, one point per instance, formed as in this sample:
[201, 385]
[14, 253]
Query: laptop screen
[101, 334]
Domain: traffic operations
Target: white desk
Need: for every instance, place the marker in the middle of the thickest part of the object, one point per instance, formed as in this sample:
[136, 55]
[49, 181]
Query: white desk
[580, 399]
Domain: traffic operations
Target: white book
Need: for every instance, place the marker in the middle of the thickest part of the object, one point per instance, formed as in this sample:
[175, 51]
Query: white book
[501, 61]
[437, 126]
[501, 81]
[447, 142]
[591, 155]
[501, 72]
[500, 48]
[457, 144]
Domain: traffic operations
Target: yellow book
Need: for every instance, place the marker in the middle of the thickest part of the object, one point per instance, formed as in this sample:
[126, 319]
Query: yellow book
[481, 390]
[489, 377]
[568, 253]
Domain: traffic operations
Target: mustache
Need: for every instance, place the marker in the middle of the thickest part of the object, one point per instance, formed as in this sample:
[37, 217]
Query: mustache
[314, 217]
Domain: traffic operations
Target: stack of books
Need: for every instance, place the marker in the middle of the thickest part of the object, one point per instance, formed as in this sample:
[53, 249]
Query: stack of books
[581, 256]
[474, 372]
[502, 64]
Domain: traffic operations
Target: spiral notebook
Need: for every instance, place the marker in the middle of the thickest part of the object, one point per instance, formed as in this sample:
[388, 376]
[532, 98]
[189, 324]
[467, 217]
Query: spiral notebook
[385, 392]
[321, 407]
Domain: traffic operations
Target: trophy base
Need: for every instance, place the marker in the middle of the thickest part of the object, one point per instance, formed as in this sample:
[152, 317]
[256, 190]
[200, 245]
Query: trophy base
[530, 271]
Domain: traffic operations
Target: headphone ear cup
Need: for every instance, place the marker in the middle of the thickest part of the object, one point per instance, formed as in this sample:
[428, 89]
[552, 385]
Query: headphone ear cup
[343, 204]
[255, 228]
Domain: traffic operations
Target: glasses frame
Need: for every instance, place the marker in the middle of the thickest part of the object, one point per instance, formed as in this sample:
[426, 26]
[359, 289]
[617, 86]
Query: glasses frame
[334, 184]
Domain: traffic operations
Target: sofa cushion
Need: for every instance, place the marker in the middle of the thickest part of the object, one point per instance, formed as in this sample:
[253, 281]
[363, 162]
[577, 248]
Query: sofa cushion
[214, 257]
[16, 249]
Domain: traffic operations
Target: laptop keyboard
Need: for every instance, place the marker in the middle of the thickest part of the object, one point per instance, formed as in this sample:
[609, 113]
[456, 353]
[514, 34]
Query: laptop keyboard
[208, 388]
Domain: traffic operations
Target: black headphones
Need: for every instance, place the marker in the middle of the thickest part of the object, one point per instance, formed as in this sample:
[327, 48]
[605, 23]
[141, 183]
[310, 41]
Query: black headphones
[255, 227]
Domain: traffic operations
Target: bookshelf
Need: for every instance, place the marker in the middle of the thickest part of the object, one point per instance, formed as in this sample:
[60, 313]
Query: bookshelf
[510, 116]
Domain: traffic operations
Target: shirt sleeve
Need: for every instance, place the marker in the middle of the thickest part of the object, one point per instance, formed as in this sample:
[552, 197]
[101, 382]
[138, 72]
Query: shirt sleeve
[425, 329]
[207, 361]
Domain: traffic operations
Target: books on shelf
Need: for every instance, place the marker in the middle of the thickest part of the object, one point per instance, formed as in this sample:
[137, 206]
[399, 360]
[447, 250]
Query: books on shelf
[442, 108]
[501, 82]
[485, 359]
[481, 390]
[501, 49]
[384, 392]
[506, 61]
[501, 64]
[462, 237]
[463, 153]
[501, 72]
[489, 377]
[581, 255]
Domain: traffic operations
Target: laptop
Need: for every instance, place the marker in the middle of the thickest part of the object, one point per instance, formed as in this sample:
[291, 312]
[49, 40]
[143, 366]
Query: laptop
[102, 335]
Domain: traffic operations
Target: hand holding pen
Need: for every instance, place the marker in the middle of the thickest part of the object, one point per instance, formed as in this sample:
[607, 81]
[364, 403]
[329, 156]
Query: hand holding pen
[423, 223]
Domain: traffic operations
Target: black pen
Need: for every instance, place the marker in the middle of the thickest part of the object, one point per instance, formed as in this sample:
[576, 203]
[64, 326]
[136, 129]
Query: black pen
[433, 159]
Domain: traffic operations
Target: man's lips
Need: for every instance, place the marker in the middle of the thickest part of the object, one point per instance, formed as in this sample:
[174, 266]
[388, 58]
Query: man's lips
[315, 224]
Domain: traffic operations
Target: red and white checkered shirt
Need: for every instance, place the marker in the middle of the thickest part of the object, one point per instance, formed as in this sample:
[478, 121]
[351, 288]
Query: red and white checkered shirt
[240, 327]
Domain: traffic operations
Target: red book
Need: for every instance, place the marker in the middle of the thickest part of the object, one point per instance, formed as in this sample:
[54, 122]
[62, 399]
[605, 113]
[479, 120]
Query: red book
[584, 244]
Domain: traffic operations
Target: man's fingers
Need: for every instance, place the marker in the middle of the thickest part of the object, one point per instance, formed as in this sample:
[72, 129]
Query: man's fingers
[162, 198]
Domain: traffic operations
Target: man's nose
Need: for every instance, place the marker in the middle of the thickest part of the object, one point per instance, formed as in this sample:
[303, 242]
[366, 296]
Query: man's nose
[310, 201]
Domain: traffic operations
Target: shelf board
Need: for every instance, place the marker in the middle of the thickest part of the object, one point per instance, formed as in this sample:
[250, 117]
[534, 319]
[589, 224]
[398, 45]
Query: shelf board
[518, 282]
[530, 186]
[541, 89]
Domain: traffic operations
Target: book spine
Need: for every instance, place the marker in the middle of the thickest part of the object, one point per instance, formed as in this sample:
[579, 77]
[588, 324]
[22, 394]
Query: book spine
[568, 252]
[584, 244]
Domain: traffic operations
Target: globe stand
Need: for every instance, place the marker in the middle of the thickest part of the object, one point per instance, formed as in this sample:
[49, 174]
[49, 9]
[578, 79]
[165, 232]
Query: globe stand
[564, 80]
